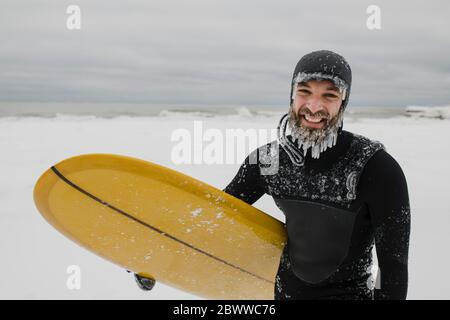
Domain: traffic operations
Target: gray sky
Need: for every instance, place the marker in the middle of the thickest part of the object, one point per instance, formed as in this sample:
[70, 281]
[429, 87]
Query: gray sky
[219, 52]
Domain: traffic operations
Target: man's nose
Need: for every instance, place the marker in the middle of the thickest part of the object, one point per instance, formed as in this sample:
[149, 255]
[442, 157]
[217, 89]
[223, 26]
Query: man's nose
[315, 105]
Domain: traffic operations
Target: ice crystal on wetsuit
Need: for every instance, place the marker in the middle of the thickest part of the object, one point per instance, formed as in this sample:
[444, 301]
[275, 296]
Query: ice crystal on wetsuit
[395, 224]
[335, 185]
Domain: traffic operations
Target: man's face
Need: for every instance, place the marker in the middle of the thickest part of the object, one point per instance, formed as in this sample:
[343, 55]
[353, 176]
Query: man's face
[316, 104]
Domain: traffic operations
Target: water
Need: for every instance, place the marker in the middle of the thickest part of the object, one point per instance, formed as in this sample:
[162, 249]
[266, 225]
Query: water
[111, 110]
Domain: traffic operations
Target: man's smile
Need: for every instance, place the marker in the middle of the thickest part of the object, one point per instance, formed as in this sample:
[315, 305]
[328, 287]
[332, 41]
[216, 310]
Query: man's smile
[313, 121]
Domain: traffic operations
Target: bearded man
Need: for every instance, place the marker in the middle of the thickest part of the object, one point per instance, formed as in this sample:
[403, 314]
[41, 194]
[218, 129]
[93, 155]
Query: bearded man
[341, 194]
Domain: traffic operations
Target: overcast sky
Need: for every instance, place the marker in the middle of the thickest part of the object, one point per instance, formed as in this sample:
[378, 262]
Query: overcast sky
[219, 52]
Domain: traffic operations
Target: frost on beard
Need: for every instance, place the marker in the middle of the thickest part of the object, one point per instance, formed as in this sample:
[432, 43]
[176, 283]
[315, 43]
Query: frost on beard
[319, 140]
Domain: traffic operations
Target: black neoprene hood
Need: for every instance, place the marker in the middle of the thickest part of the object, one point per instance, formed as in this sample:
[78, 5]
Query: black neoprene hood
[324, 65]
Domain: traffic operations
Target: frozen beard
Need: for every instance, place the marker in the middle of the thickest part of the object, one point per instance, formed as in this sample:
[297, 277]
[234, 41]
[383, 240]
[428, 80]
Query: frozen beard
[318, 140]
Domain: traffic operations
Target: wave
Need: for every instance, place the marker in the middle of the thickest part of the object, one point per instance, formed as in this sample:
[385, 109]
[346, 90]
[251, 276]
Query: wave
[434, 112]
[228, 113]
[237, 112]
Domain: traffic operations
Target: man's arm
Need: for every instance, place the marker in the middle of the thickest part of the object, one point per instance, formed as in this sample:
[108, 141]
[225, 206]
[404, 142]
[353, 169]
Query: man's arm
[386, 191]
[247, 184]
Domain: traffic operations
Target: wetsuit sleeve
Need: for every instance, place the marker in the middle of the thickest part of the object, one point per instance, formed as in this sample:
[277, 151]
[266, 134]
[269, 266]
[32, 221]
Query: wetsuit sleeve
[387, 197]
[247, 184]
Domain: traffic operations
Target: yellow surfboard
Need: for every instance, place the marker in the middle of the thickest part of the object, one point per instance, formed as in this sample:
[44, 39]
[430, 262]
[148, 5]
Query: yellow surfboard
[163, 224]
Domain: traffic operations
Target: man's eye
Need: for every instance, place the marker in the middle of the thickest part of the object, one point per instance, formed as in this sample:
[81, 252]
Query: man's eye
[303, 91]
[332, 96]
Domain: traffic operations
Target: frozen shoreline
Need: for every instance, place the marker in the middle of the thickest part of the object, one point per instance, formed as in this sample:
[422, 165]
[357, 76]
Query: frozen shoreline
[31, 247]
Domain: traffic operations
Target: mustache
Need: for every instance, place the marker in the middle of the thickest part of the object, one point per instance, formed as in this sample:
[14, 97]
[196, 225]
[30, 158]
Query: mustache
[296, 117]
[305, 111]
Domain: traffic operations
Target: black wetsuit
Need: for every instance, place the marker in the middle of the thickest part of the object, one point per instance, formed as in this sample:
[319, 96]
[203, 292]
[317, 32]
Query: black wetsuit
[332, 248]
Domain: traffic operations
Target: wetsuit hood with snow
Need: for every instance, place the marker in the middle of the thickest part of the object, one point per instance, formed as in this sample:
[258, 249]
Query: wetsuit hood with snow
[324, 65]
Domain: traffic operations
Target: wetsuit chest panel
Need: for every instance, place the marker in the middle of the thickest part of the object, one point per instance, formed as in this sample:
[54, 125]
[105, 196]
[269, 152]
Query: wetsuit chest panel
[319, 237]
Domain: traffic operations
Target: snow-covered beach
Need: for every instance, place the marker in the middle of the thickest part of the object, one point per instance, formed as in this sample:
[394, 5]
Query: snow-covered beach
[35, 257]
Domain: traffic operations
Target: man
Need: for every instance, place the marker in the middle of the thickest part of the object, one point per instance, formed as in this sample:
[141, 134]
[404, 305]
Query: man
[341, 193]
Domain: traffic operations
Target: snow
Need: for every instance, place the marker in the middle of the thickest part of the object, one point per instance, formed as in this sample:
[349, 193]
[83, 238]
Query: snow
[35, 257]
[195, 213]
